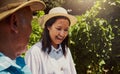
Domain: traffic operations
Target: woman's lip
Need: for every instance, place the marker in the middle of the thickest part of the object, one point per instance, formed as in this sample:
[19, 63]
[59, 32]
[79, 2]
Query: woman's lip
[60, 38]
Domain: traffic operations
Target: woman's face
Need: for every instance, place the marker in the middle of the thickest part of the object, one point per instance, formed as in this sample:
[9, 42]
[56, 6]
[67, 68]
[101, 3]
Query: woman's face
[58, 31]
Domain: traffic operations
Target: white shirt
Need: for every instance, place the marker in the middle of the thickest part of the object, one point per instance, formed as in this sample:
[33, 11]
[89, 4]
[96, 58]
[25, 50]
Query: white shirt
[53, 63]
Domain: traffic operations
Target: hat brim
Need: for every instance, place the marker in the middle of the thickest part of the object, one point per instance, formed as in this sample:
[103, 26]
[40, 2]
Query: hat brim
[34, 5]
[46, 17]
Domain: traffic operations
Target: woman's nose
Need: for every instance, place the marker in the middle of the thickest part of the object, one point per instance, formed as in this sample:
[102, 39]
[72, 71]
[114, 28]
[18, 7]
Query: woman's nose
[63, 33]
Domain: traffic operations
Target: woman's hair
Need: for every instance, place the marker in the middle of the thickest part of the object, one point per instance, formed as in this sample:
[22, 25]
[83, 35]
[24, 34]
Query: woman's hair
[46, 40]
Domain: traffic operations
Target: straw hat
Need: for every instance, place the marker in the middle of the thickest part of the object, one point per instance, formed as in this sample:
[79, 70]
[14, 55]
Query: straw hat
[57, 11]
[8, 7]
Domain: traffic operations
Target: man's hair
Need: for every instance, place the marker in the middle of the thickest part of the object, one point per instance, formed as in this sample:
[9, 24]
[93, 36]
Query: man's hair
[5, 20]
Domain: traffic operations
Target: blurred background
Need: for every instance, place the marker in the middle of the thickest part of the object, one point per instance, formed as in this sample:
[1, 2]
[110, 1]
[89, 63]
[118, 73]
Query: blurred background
[94, 39]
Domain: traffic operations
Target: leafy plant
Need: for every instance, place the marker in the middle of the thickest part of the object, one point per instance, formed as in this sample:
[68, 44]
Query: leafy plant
[90, 42]
[36, 32]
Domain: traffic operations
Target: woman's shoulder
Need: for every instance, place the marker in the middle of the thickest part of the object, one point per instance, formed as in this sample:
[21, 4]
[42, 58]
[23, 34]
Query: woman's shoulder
[68, 52]
[35, 48]
[67, 49]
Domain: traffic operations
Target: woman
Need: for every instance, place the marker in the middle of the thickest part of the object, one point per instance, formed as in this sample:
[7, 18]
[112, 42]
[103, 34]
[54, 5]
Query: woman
[51, 55]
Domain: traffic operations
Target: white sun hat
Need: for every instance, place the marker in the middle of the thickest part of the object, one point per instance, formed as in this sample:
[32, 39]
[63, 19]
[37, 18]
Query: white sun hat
[57, 11]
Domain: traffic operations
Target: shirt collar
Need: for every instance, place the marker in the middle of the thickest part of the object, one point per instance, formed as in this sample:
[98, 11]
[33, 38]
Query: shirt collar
[56, 50]
[6, 62]
[56, 53]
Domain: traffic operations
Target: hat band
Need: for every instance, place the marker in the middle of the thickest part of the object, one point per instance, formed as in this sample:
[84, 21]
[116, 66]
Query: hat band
[10, 6]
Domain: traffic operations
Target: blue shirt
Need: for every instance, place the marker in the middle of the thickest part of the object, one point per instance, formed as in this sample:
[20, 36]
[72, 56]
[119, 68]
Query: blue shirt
[17, 66]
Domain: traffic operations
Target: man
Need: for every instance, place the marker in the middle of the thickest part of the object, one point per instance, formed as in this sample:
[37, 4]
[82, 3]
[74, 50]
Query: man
[15, 29]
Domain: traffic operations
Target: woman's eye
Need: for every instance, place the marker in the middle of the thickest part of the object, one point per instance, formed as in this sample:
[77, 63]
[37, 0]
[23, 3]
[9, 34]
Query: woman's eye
[58, 28]
[66, 30]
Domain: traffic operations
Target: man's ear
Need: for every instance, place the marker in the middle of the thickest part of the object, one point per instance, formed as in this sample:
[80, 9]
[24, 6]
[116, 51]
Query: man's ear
[14, 23]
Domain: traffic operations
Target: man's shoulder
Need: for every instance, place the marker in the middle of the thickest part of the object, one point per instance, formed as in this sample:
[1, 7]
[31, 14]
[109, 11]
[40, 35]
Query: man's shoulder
[20, 61]
[17, 66]
[5, 62]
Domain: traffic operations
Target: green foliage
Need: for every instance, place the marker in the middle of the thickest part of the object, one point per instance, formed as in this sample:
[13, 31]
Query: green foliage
[90, 40]
[36, 32]
[40, 14]
[53, 3]
[36, 29]
[110, 10]
[94, 38]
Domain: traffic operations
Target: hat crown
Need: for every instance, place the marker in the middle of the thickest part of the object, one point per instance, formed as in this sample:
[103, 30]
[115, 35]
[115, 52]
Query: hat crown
[7, 7]
[58, 10]
[6, 2]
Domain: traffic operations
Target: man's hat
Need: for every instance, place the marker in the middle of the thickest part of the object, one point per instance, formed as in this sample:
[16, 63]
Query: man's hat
[8, 7]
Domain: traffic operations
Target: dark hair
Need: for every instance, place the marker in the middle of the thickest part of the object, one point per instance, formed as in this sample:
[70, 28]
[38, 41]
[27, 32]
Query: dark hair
[5, 20]
[46, 41]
